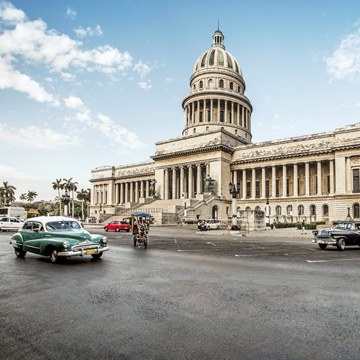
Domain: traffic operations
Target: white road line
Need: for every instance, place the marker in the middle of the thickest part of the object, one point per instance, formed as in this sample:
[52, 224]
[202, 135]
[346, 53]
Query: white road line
[319, 261]
[210, 243]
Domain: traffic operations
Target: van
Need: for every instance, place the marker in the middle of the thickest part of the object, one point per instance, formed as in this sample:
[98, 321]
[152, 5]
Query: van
[10, 223]
[212, 224]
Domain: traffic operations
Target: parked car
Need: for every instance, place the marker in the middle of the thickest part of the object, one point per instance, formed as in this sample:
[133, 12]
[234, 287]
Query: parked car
[117, 226]
[10, 223]
[212, 224]
[57, 237]
[341, 235]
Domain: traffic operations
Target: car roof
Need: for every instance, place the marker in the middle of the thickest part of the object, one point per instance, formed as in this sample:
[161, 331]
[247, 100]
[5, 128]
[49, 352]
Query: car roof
[45, 219]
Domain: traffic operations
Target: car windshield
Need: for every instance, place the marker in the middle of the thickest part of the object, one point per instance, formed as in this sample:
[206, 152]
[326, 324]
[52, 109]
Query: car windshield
[344, 226]
[62, 225]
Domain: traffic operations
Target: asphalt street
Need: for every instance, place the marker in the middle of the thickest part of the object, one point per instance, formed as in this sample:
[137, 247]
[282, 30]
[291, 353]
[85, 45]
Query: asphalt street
[187, 296]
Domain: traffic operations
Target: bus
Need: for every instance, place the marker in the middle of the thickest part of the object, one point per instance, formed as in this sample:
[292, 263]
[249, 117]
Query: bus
[13, 211]
[31, 213]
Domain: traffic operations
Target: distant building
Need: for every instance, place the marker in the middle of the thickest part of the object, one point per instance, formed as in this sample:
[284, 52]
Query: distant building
[314, 177]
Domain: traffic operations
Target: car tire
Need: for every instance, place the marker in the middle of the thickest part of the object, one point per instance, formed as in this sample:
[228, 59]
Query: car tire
[341, 244]
[322, 246]
[54, 256]
[97, 256]
[106, 229]
[117, 229]
[127, 230]
[20, 253]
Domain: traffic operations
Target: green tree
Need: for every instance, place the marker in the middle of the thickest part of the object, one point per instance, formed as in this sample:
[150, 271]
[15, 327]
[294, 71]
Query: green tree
[23, 197]
[31, 196]
[7, 193]
[58, 185]
[84, 197]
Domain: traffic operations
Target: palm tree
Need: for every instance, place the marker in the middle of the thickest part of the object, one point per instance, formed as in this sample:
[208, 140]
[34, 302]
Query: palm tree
[58, 185]
[31, 195]
[69, 187]
[7, 192]
[73, 189]
[23, 197]
[83, 196]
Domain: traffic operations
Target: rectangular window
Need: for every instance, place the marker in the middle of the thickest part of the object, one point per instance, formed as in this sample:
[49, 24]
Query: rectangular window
[287, 187]
[356, 179]
[201, 116]
[257, 189]
[267, 188]
[277, 188]
[248, 189]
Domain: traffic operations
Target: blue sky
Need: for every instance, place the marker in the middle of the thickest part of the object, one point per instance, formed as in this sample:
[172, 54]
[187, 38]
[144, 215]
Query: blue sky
[88, 83]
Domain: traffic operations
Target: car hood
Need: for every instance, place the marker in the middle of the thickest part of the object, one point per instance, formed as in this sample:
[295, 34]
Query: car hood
[73, 236]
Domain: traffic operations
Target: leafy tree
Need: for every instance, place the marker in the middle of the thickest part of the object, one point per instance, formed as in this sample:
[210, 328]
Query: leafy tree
[84, 197]
[31, 196]
[58, 185]
[7, 193]
[23, 197]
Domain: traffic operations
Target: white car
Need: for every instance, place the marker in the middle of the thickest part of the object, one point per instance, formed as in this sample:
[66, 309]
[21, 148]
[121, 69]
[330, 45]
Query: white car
[10, 223]
[212, 224]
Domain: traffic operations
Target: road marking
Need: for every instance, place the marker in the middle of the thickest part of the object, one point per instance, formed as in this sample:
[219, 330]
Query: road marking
[191, 250]
[318, 261]
[210, 243]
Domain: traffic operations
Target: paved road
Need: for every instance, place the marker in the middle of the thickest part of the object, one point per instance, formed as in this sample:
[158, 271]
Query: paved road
[188, 296]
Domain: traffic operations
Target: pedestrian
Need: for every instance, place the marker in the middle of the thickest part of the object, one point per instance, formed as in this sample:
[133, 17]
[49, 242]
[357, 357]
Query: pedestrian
[274, 225]
[178, 222]
[303, 227]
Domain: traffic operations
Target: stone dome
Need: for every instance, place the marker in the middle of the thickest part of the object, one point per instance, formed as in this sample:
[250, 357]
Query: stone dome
[217, 57]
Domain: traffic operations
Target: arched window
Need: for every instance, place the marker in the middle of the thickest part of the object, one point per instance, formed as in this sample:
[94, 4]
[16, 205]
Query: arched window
[231, 86]
[194, 87]
[326, 210]
[278, 210]
[312, 210]
[211, 83]
[289, 210]
[235, 132]
[212, 56]
[207, 128]
[356, 211]
[301, 210]
[201, 84]
[203, 60]
[194, 131]
[248, 208]
[238, 89]
[221, 83]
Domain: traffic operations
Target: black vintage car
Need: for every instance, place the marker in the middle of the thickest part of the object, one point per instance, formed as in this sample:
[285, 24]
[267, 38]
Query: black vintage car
[341, 235]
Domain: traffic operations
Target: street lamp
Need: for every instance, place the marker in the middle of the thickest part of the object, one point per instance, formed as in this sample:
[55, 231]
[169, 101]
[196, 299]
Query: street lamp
[185, 213]
[267, 212]
[234, 192]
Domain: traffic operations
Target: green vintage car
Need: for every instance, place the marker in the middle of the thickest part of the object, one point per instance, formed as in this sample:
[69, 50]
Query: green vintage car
[57, 237]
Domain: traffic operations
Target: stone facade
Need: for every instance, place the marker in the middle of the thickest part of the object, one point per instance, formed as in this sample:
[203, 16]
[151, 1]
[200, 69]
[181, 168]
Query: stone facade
[314, 177]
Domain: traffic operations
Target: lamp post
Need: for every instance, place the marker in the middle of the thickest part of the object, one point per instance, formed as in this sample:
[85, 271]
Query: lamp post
[234, 192]
[267, 212]
[185, 213]
[66, 200]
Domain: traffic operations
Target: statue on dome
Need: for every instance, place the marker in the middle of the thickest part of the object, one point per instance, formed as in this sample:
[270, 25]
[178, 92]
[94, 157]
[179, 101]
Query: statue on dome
[152, 187]
[209, 184]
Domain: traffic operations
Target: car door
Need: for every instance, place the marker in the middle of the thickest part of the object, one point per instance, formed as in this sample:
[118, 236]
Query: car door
[4, 223]
[112, 225]
[33, 235]
[14, 224]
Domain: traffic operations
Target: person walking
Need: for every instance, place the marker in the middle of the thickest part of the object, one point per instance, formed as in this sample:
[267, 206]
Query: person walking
[303, 227]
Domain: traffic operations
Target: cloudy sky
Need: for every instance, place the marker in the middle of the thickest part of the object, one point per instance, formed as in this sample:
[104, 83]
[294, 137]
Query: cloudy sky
[87, 83]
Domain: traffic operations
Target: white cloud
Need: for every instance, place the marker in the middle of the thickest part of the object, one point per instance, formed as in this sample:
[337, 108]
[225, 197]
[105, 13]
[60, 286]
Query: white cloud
[345, 61]
[169, 79]
[82, 33]
[13, 79]
[33, 137]
[70, 13]
[9, 13]
[142, 69]
[73, 102]
[144, 85]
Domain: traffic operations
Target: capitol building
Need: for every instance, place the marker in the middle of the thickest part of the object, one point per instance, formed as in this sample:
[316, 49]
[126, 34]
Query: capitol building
[314, 177]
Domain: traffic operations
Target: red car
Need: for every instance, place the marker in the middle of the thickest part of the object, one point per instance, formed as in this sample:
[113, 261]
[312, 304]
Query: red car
[117, 226]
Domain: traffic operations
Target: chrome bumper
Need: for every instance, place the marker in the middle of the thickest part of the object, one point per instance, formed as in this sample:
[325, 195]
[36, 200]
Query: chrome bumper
[327, 241]
[82, 252]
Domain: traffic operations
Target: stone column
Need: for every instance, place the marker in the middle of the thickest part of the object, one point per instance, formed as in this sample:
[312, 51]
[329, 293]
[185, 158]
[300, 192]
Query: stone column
[173, 183]
[253, 183]
[211, 109]
[235, 178]
[218, 117]
[136, 191]
[242, 115]
[244, 184]
[126, 193]
[319, 179]
[185, 112]
[232, 113]
[191, 188]
[348, 175]
[263, 183]
[332, 177]
[284, 182]
[198, 111]
[226, 120]
[131, 192]
[198, 179]
[273, 181]
[142, 189]
[296, 180]
[181, 181]
[166, 184]
[307, 179]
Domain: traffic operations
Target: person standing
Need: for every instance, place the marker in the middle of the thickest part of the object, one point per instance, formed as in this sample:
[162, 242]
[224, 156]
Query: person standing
[303, 227]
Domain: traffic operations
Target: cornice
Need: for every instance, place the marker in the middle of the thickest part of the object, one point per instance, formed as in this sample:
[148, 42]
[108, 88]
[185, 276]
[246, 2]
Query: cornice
[217, 147]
